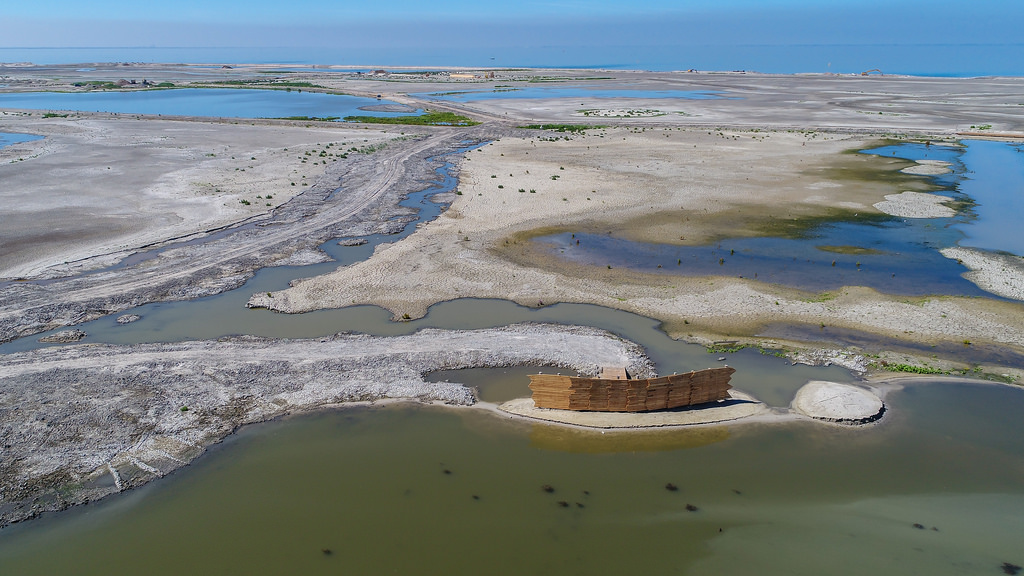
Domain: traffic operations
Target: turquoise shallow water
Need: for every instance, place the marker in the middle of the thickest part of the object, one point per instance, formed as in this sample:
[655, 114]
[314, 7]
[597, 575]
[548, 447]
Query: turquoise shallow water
[8, 138]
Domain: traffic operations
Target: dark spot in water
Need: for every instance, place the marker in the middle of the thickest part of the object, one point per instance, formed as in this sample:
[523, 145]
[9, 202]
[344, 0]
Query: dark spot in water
[934, 529]
[719, 529]
[580, 505]
[1010, 568]
[327, 551]
[586, 492]
[563, 503]
[691, 508]
[548, 488]
[447, 471]
[671, 487]
[475, 497]
[918, 526]
[737, 492]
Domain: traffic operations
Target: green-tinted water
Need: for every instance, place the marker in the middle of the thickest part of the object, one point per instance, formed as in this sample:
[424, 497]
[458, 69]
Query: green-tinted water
[409, 489]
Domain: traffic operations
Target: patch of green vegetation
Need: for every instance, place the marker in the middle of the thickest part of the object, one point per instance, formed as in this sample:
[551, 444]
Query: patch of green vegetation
[54, 115]
[848, 250]
[574, 128]
[802, 226]
[982, 127]
[165, 85]
[910, 368]
[428, 119]
[823, 297]
[726, 347]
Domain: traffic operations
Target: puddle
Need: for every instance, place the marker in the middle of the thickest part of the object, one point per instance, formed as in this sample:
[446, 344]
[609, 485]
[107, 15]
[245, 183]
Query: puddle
[8, 138]
[216, 102]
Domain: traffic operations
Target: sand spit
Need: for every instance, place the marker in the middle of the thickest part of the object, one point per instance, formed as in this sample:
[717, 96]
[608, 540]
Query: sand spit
[480, 246]
[916, 205]
[78, 423]
[741, 406]
[1001, 274]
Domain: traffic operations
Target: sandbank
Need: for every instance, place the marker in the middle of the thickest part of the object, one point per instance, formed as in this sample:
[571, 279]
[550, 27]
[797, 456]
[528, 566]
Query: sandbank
[740, 406]
[915, 205]
[1001, 274]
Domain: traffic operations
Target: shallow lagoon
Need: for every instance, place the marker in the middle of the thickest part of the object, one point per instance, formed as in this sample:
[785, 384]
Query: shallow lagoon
[890, 254]
[214, 102]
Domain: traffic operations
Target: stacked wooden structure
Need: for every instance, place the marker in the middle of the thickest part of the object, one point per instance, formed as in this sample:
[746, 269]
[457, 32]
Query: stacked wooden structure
[616, 393]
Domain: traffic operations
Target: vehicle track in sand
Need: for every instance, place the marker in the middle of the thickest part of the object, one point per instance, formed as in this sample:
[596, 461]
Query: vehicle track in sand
[198, 269]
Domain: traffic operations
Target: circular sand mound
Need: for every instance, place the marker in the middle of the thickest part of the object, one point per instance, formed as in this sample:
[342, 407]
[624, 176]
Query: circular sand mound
[835, 402]
[739, 406]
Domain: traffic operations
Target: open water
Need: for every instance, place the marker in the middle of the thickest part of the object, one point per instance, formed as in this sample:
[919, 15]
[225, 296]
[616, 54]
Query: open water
[215, 102]
[8, 138]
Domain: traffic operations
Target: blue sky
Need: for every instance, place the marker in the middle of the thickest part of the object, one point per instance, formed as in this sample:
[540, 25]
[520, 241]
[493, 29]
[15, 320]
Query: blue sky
[553, 32]
[295, 22]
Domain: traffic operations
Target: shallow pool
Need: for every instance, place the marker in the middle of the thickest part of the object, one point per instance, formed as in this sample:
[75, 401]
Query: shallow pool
[215, 102]
[890, 254]
[8, 138]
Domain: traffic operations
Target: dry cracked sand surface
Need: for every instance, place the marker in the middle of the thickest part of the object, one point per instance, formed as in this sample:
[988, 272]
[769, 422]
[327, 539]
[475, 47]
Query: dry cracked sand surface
[98, 185]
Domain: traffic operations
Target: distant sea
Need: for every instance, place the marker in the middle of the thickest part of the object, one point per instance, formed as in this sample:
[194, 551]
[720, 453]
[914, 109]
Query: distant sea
[951, 60]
